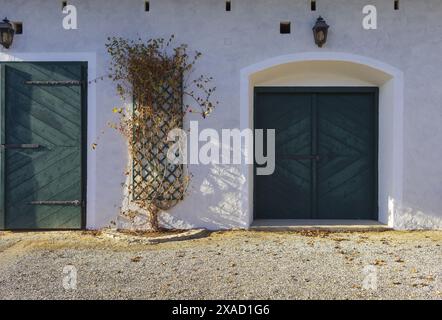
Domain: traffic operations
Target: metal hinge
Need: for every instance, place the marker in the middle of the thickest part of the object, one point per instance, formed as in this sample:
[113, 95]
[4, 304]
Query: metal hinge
[300, 157]
[20, 146]
[75, 203]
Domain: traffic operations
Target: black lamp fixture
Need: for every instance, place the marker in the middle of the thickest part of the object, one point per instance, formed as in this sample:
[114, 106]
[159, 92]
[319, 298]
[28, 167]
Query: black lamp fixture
[320, 31]
[6, 33]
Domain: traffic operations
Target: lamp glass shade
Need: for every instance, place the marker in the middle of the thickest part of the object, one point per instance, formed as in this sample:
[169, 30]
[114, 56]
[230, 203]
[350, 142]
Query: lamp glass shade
[320, 31]
[6, 33]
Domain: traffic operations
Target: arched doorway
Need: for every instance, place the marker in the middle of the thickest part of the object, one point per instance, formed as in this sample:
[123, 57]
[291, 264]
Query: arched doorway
[337, 70]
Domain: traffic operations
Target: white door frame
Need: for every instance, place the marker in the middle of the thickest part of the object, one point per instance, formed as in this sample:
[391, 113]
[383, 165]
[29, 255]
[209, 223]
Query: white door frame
[391, 108]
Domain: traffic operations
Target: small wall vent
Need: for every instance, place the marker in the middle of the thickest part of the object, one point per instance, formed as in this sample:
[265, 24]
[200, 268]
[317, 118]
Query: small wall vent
[284, 27]
[18, 27]
[228, 5]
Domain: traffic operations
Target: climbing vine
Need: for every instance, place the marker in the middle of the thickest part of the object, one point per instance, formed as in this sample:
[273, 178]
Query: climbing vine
[158, 78]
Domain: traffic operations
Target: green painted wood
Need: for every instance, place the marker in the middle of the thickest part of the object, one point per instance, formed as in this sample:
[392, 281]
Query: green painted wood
[2, 152]
[286, 193]
[314, 142]
[337, 124]
[84, 123]
[51, 116]
[346, 142]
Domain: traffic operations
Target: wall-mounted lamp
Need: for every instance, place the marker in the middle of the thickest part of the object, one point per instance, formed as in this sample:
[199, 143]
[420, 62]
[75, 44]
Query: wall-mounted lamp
[6, 33]
[320, 31]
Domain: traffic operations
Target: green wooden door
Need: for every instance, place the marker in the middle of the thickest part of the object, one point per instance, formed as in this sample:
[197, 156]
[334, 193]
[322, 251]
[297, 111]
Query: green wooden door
[41, 156]
[326, 153]
[285, 193]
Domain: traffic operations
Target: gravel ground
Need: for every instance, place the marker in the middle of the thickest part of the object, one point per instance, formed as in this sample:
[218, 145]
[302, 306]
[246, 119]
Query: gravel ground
[225, 265]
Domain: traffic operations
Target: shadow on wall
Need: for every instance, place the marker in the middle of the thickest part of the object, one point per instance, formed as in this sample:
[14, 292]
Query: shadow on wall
[410, 217]
[219, 194]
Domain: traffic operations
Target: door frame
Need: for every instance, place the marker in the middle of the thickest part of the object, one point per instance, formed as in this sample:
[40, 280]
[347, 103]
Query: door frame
[312, 90]
[372, 72]
[83, 147]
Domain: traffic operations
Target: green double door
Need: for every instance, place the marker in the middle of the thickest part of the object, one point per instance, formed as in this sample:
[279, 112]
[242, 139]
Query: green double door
[326, 153]
[42, 120]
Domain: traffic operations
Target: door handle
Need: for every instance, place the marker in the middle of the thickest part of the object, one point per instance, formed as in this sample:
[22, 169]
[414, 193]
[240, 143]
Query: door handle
[301, 157]
[20, 146]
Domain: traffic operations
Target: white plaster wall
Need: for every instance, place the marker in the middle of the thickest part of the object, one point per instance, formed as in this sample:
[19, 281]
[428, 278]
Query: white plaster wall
[407, 39]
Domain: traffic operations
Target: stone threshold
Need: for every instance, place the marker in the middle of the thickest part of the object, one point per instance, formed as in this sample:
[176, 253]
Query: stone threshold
[319, 225]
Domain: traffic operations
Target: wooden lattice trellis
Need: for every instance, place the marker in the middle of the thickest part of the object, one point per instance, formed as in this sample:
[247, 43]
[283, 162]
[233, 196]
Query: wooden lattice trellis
[154, 178]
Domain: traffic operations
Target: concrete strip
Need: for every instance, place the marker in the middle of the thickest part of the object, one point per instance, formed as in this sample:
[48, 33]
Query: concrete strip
[321, 228]
[319, 225]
